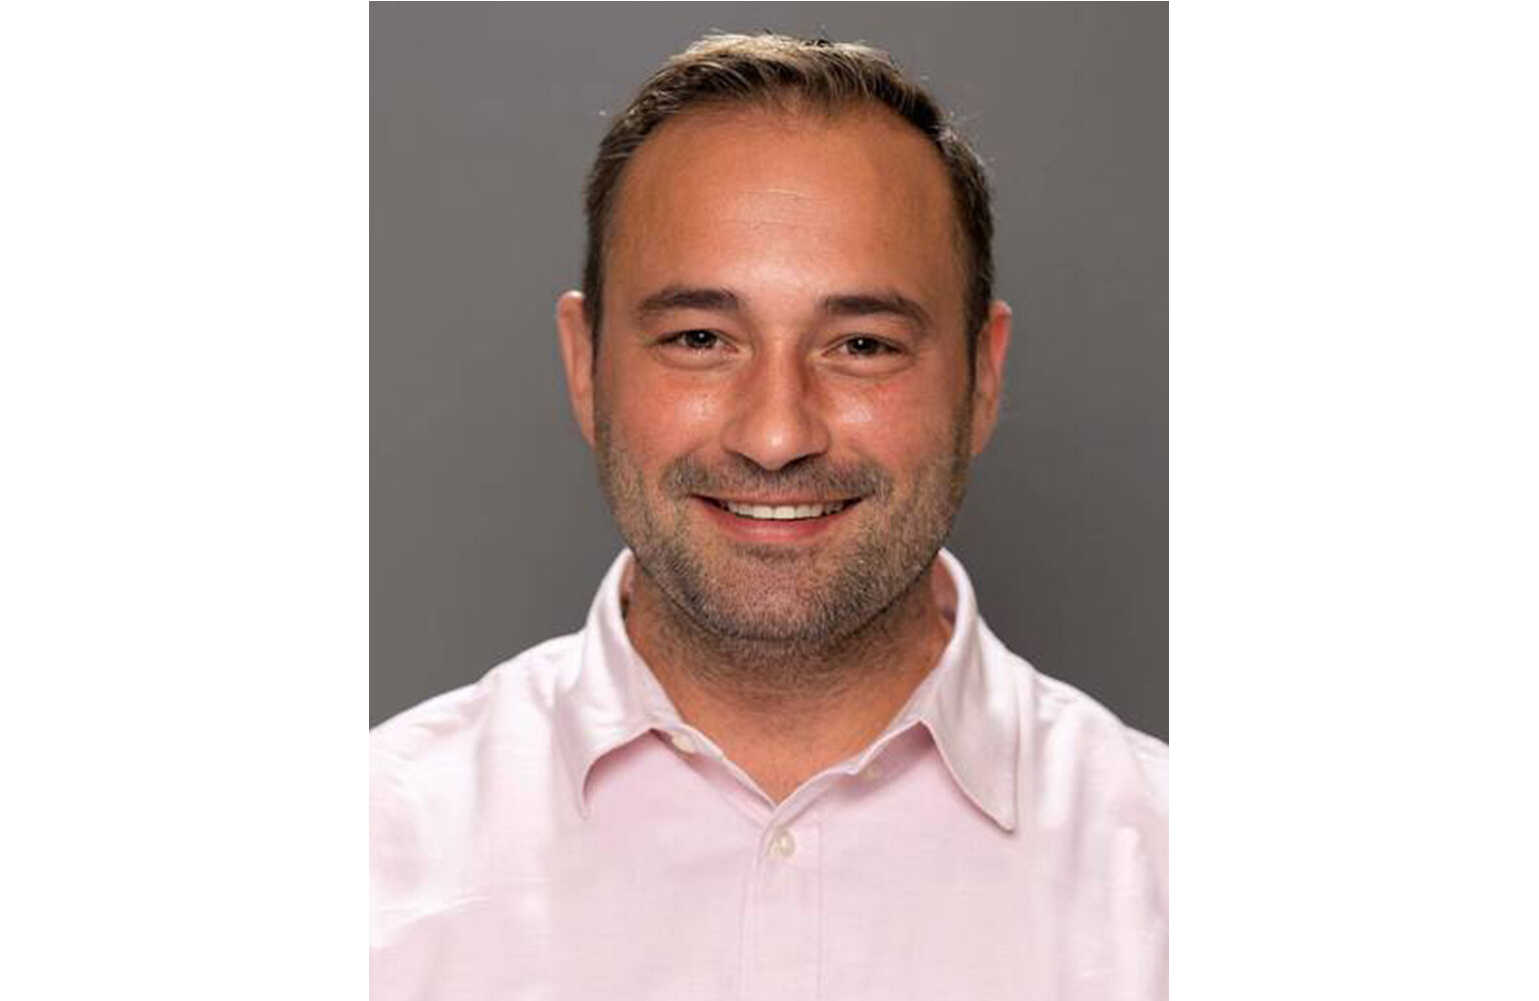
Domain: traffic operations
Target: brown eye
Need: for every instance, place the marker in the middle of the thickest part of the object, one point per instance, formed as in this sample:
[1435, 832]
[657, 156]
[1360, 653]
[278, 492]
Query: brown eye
[698, 340]
[866, 347]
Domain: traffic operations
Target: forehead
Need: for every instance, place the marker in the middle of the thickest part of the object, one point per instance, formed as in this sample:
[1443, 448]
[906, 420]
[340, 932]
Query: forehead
[745, 196]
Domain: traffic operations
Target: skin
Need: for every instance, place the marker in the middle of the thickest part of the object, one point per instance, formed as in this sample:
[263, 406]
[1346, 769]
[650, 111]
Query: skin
[784, 323]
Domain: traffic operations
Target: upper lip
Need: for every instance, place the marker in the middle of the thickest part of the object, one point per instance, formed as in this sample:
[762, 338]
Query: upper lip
[776, 502]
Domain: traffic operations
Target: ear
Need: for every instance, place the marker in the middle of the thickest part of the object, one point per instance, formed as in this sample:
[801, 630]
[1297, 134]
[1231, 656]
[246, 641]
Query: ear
[577, 356]
[989, 372]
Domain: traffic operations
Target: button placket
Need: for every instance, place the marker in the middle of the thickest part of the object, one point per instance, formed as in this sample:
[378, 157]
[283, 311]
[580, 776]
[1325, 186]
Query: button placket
[785, 914]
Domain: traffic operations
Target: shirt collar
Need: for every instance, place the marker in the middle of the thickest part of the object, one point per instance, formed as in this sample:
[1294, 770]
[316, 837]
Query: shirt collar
[969, 702]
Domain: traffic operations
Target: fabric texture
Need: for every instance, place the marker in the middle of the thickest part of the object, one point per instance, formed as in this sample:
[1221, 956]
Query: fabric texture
[557, 831]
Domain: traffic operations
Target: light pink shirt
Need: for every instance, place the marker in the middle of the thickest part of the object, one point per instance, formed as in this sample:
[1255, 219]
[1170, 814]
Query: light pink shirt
[557, 831]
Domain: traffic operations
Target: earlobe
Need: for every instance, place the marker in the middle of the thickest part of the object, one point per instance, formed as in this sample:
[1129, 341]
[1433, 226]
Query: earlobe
[989, 372]
[577, 358]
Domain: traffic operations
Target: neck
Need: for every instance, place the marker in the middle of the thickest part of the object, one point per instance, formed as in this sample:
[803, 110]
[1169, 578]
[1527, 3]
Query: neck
[785, 711]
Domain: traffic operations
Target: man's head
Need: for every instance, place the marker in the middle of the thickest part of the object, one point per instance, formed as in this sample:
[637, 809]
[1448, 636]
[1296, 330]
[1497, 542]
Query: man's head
[795, 368]
[793, 75]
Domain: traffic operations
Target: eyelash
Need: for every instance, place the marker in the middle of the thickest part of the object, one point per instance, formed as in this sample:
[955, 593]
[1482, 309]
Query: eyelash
[882, 347]
[680, 339]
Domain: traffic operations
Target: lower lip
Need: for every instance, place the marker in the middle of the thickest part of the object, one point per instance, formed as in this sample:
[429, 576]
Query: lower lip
[767, 530]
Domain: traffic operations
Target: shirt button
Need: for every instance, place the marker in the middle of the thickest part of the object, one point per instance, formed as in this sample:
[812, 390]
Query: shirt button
[782, 844]
[683, 742]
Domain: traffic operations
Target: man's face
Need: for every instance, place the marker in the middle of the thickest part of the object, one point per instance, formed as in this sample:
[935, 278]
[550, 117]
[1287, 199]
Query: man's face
[781, 404]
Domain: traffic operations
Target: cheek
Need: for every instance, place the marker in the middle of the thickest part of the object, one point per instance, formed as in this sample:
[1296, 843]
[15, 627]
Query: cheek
[662, 420]
[894, 423]
[861, 411]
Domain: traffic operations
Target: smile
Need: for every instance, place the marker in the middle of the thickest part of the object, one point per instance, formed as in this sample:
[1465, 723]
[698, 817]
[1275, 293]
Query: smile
[780, 512]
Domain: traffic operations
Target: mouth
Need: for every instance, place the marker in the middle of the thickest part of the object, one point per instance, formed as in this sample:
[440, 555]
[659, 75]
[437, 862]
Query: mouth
[782, 511]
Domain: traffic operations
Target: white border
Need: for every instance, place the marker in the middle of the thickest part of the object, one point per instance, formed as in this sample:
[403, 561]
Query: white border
[1355, 501]
[184, 400]
[183, 391]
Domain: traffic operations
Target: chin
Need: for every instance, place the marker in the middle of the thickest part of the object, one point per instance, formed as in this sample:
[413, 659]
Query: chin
[780, 613]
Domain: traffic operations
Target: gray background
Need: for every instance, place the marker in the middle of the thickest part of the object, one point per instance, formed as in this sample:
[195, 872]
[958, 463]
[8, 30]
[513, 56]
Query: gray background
[488, 530]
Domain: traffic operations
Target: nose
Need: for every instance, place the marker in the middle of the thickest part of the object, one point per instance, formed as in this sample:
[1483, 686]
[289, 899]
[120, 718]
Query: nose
[777, 418]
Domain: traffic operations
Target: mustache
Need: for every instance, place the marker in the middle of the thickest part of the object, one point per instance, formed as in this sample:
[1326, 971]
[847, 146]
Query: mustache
[809, 477]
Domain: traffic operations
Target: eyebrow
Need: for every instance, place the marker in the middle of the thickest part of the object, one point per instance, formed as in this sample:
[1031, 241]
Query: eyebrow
[716, 300]
[722, 300]
[877, 304]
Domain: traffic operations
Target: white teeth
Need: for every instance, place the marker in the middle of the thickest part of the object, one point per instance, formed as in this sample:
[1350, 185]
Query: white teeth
[784, 512]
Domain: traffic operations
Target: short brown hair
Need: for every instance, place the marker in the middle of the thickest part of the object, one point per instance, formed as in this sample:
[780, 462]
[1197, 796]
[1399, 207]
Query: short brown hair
[774, 69]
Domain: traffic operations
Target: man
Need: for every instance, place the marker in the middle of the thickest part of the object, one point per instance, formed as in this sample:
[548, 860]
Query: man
[784, 758]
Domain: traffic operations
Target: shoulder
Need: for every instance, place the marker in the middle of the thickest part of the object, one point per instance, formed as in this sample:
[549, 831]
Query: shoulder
[445, 725]
[1081, 723]
[1096, 788]
[1071, 739]
[431, 766]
